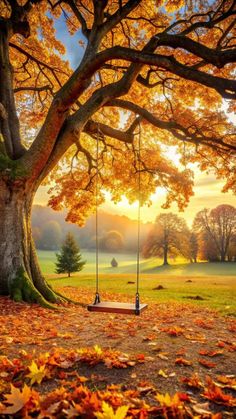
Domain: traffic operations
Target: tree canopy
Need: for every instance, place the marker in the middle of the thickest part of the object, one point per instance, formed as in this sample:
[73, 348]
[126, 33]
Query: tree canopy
[171, 62]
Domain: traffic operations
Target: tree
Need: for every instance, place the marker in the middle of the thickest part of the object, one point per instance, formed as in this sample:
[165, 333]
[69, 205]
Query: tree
[218, 227]
[69, 258]
[232, 250]
[169, 236]
[166, 67]
[193, 247]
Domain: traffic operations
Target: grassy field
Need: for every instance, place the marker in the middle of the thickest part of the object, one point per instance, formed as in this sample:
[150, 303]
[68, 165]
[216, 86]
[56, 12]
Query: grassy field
[127, 265]
[215, 283]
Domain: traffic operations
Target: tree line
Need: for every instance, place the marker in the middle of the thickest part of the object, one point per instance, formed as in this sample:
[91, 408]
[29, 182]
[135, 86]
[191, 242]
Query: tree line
[212, 237]
[116, 233]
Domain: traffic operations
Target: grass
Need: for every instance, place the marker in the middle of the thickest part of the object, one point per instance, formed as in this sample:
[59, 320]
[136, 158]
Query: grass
[215, 283]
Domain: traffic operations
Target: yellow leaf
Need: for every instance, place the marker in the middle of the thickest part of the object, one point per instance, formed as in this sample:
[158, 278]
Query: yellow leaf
[162, 374]
[167, 400]
[36, 374]
[17, 399]
[108, 412]
[98, 350]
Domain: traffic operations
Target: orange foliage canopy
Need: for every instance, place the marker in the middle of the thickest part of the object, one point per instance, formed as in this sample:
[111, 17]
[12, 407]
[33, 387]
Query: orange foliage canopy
[173, 66]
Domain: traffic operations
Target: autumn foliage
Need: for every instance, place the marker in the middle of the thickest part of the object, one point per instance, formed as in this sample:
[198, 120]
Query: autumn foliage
[149, 75]
[49, 369]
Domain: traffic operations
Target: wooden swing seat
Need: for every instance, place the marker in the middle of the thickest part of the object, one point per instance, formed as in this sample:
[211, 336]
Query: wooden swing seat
[114, 307]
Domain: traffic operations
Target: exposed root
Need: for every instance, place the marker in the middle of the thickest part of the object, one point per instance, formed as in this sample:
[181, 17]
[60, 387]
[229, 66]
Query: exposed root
[23, 289]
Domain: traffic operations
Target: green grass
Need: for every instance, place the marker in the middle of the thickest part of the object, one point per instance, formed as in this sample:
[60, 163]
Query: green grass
[214, 282]
[127, 265]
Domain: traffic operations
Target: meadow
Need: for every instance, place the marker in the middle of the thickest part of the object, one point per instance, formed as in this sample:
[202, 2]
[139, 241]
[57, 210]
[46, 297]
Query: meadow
[204, 284]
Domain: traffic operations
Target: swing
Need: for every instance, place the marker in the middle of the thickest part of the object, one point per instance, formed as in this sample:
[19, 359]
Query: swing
[109, 306]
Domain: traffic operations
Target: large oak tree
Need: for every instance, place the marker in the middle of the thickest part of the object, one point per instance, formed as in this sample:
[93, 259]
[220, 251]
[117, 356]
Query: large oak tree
[163, 67]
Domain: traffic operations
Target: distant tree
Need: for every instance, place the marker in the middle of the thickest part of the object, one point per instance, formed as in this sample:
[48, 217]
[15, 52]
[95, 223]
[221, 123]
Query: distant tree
[114, 263]
[207, 248]
[168, 237]
[51, 236]
[232, 250]
[112, 241]
[69, 258]
[193, 247]
[218, 228]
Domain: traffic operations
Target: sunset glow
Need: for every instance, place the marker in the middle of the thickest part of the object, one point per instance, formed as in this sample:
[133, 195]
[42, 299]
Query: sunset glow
[207, 194]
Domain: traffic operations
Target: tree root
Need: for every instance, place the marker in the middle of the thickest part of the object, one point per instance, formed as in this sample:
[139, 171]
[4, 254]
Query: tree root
[23, 289]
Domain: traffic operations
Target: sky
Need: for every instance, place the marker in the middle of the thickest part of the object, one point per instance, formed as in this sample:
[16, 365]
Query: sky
[207, 195]
[207, 190]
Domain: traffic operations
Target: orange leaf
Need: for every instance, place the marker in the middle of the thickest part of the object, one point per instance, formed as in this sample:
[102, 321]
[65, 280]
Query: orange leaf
[207, 364]
[17, 399]
[183, 361]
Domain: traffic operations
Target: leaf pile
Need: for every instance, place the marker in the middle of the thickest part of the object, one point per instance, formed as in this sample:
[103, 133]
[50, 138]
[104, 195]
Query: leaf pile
[170, 362]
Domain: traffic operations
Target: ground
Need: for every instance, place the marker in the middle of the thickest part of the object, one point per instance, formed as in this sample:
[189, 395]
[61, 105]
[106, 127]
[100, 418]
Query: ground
[88, 358]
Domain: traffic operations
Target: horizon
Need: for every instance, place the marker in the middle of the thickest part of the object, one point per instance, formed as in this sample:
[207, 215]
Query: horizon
[207, 194]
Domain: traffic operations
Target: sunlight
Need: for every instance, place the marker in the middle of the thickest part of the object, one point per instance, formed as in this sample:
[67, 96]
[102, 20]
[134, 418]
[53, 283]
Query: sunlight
[171, 153]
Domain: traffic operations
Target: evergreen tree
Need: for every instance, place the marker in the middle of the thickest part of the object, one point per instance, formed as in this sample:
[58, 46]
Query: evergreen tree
[69, 258]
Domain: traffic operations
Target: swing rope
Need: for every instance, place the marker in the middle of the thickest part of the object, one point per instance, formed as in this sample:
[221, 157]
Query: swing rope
[137, 302]
[97, 296]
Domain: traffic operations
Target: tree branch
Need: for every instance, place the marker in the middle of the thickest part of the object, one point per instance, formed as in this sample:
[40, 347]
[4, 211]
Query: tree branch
[212, 56]
[180, 132]
[225, 87]
[79, 16]
[33, 88]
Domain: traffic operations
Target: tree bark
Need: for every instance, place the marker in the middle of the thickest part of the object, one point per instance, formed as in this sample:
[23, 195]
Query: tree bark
[9, 124]
[20, 275]
[165, 256]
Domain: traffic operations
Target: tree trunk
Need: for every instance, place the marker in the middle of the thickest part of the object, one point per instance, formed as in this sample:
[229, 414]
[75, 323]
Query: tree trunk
[165, 256]
[20, 275]
[222, 256]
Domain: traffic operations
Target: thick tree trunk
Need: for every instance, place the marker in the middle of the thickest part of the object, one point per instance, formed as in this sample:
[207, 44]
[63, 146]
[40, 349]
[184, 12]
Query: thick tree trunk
[20, 275]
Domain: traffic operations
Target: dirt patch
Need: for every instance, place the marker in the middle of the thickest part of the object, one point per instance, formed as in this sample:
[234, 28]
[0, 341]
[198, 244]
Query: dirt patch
[195, 297]
[159, 287]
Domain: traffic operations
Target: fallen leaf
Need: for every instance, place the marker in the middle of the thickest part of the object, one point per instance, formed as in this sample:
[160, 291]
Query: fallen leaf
[207, 364]
[17, 399]
[36, 374]
[183, 361]
[108, 412]
[162, 374]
